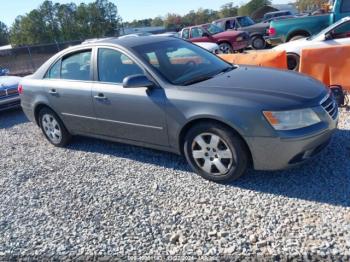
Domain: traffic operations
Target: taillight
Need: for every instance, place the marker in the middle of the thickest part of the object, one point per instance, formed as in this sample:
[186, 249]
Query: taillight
[272, 31]
[20, 89]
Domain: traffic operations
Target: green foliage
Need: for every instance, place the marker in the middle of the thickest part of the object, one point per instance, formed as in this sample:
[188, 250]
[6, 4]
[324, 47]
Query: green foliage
[252, 6]
[3, 34]
[310, 5]
[228, 10]
[55, 22]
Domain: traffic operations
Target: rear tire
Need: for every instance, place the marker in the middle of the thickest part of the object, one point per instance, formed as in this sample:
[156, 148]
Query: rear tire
[258, 42]
[297, 37]
[215, 152]
[293, 61]
[53, 128]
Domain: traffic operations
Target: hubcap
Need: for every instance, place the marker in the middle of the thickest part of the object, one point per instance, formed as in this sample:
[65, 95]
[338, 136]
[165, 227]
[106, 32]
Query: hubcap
[258, 43]
[51, 128]
[225, 48]
[212, 154]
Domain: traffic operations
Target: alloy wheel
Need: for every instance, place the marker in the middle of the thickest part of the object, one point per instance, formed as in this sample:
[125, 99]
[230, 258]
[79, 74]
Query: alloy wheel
[51, 128]
[212, 154]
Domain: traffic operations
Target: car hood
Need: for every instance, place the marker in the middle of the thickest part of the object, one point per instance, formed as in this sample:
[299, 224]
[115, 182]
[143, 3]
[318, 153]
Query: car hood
[293, 46]
[9, 81]
[265, 87]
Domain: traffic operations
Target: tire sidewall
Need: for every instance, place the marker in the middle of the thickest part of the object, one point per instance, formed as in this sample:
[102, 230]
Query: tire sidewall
[230, 50]
[65, 134]
[234, 143]
[258, 38]
[297, 61]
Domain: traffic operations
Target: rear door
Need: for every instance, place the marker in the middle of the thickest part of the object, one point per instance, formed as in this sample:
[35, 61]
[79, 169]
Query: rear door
[68, 85]
[135, 114]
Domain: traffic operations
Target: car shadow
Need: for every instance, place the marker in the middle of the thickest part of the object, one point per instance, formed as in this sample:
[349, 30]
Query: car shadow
[324, 179]
[12, 117]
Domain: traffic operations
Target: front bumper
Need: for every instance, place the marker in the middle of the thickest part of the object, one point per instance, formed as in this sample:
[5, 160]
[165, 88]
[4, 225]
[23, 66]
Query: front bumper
[9, 103]
[288, 150]
[273, 40]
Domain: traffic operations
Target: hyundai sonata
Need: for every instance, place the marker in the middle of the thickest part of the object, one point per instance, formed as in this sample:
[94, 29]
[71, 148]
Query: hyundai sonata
[171, 95]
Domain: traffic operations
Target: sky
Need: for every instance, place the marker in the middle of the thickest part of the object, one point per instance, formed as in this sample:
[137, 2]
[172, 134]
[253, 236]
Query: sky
[127, 9]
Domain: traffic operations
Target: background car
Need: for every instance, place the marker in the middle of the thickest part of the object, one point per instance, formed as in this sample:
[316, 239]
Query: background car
[211, 47]
[275, 14]
[9, 97]
[335, 35]
[257, 31]
[171, 95]
[228, 41]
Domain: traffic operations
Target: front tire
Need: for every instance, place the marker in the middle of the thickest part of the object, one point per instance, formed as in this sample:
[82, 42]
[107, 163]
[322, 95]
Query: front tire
[215, 152]
[53, 128]
[293, 61]
[226, 48]
[258, 43]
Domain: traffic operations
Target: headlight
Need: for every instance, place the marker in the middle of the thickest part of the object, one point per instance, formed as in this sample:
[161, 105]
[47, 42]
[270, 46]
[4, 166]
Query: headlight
[240, 38]
[294, 119]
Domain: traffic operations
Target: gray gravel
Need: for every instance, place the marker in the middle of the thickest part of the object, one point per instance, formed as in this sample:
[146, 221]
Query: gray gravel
[98, 198]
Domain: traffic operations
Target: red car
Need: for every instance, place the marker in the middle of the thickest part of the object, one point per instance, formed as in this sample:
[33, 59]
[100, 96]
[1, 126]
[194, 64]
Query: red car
[228, 41]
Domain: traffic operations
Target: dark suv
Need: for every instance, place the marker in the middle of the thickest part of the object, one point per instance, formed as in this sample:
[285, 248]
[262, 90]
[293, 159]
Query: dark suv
[257, 31]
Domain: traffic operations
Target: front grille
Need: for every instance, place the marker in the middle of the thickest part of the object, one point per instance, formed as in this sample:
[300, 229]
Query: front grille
[330, 105]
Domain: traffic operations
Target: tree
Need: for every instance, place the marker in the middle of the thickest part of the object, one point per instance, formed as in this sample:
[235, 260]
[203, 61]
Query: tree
[54, 22]
[158, 21]
[310, 5]
[252, 6]
[228, 10]
[4, 37]
[173, 22]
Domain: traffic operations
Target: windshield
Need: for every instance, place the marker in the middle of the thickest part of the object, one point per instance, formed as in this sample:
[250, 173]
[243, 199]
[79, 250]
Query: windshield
[180, 62]
[326, 30]
[245, 21]
[214, 29]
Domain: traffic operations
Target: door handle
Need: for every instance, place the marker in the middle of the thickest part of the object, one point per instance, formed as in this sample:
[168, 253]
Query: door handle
[53, 92]
[101, 97]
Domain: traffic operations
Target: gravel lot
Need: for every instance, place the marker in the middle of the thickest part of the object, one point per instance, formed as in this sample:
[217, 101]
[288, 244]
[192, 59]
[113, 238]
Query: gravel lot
[98, 198]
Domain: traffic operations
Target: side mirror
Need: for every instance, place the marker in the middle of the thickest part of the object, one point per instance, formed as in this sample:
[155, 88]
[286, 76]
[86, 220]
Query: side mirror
[328, 36]
[205, 34]
[135, 81]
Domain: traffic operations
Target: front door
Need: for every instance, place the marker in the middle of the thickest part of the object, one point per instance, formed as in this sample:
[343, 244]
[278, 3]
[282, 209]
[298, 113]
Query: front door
[128, 113]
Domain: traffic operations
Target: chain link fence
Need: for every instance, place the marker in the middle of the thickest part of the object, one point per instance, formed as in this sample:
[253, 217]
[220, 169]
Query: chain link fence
[26, 60]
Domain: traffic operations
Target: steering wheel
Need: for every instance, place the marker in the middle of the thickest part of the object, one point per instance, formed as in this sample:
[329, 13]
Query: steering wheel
[190, 65]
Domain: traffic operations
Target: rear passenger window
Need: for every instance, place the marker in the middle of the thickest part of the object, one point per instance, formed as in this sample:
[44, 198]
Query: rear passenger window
[54, 72]
[114, 66]
[76, 66]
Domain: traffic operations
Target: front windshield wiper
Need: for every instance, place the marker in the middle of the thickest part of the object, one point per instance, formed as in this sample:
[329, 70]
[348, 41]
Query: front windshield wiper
[197, 80]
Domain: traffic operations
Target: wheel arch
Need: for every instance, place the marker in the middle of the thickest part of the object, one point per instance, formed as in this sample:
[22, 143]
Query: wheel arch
[297, 32]
[193, 122]
[37, 109]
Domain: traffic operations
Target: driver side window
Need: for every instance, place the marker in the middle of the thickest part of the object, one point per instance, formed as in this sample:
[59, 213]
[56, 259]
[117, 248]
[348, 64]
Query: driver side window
[196, 32]
[114, 66]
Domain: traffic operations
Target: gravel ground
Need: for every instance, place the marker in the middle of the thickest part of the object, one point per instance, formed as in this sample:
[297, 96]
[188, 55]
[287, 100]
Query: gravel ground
[98, 199]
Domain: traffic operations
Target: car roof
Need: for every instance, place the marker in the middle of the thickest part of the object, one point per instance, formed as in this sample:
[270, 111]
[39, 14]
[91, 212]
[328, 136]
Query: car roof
[229, 18]
[128, 42]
